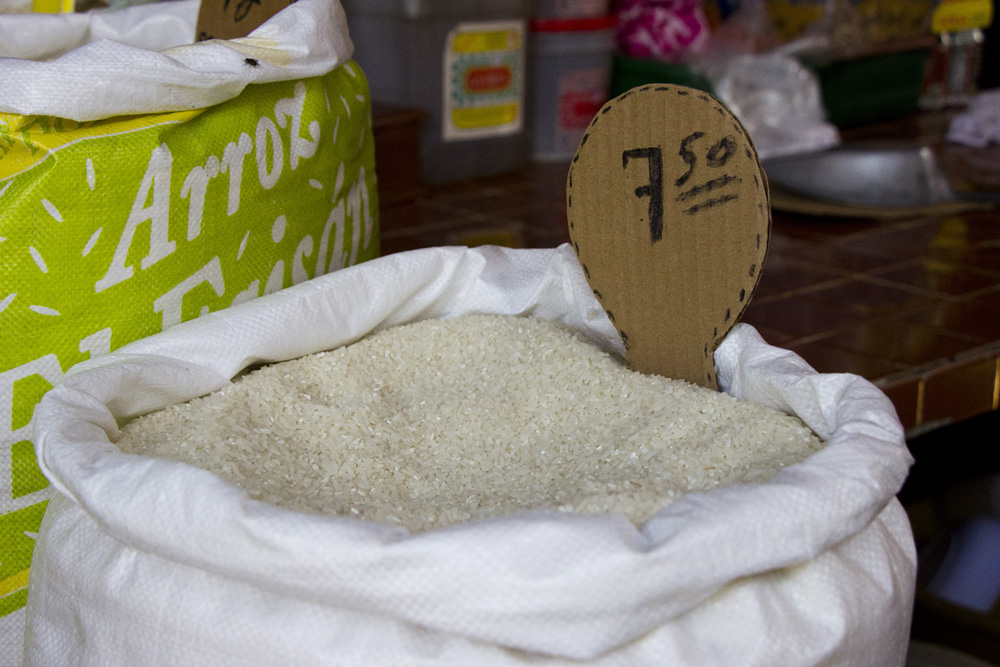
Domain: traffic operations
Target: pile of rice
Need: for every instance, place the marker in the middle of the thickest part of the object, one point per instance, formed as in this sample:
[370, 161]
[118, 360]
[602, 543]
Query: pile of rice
[443, 421]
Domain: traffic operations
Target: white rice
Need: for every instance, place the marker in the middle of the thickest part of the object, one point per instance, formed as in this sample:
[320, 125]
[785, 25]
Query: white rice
[445, 421]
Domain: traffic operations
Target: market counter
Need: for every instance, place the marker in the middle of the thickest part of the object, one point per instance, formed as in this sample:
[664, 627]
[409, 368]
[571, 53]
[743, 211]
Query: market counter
[912, 304]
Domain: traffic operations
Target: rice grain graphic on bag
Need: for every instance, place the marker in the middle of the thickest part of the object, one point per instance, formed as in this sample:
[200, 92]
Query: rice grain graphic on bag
[162, 204]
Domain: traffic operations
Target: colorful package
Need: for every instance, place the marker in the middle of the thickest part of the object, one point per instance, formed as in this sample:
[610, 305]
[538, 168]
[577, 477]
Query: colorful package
[661, 29]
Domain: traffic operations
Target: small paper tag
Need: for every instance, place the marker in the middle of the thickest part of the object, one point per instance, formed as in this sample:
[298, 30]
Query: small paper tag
[668, 212]
[227, 19]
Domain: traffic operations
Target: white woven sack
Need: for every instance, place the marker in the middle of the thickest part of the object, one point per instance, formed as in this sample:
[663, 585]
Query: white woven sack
[155, 563]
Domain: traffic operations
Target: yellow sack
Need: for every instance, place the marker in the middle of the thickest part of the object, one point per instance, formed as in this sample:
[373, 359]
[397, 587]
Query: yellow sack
[140, 188]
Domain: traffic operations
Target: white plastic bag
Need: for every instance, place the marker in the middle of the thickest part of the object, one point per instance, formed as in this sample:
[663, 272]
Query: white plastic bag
[119, 63]
[45, 37]
[978, 125]
[155, 563]
[764, 83]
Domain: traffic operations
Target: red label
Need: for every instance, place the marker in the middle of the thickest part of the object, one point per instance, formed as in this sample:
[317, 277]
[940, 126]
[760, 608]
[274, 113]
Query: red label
[487, 79]
[577, 108]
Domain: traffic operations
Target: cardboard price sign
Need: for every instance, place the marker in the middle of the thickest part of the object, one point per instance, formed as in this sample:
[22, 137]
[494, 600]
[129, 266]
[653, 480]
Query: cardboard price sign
[668, 212]
[228, 19]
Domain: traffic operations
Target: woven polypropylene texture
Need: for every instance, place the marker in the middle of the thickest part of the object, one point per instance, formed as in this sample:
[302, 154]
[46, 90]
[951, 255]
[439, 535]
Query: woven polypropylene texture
[814, 567]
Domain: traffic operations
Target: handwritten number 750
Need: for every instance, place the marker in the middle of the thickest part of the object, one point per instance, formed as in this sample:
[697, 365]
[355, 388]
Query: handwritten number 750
[716, 156]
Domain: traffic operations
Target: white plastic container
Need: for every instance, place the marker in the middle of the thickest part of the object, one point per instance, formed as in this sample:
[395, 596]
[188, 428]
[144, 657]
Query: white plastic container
[570, 80]
[463, 62]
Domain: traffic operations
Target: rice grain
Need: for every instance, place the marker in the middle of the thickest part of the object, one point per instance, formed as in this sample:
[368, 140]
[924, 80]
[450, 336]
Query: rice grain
[445, 421]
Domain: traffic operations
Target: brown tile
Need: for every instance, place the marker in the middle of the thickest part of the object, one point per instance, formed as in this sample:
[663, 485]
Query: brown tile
[537, 237]
[543, 216]
[798, 316]
[413, 215]
[904, 397]
[982, 225]
[510, 236]
[987, 301]
[547, 180]
[901, 341]
[455, 232]
[488, 201]
[780, 274]
[781, 244]
[536, 184]
[939, 276]
[397, 148]
[443, 190]
[959, 239]
[828, 255]
[870, 299]
[403, 243]
[819, 229]
[902, 240]
[828, 359]
[985, 256]
[977, 318]
[969, 239]
[959, 392]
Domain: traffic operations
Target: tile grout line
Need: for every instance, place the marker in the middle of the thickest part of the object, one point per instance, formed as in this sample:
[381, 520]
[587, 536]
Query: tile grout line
[925, 370]
[921, 389]
[893, 263]
[900, 314]
[802, 291]
[996, 385]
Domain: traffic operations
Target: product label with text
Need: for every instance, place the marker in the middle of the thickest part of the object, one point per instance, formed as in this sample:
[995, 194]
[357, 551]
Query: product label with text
[483, 80]
[116, 229]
